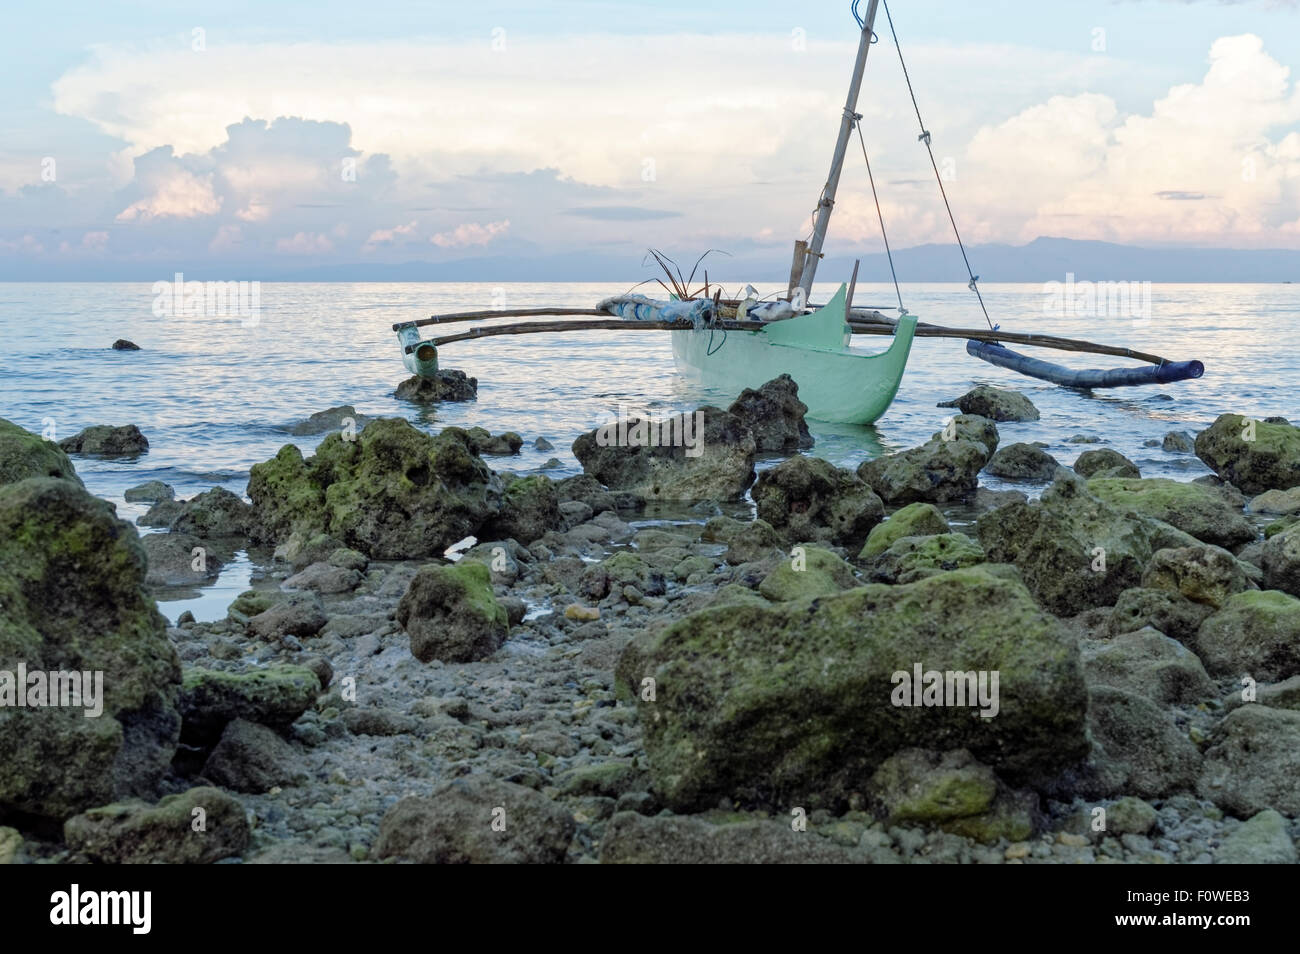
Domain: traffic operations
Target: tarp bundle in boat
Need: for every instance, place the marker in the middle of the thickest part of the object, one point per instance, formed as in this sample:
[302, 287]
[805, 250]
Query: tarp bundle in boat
[641, 308]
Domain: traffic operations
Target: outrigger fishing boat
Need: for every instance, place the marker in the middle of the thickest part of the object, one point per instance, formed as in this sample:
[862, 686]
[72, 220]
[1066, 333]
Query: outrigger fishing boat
[732, 344]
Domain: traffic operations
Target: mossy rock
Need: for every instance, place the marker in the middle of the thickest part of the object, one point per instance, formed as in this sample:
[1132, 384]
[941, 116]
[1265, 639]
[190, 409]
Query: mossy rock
[1257, 633]
[1075, 551]
[451, 614]
[72, 597]
[809, 572]
[791, 705]
[250, 603]
[24, 454]
[275, 696]
[392, 492]
[1254, 456]
[1193, 508]
[809, 499]
[135, 832]
[914, 520]
[909, 559]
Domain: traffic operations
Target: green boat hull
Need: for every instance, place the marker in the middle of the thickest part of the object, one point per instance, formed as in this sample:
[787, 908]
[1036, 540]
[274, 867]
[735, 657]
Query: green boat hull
[838, 385]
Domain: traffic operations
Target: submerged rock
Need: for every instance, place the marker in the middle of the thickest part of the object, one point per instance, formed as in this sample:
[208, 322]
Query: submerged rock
[776, 416]
[106, 441]
[178, 559]
[24, 454]
[448, 385]
[1254, 456]
[72, 598]
[997, 404]
[135, 832]
[122, 344]
[1178, 442]
[392, 493]
[450, 614]
[807, 499]
[498, 445]
[1193, 508]
[747, 705]
[710, 456]
[341, 418]
[476, 820]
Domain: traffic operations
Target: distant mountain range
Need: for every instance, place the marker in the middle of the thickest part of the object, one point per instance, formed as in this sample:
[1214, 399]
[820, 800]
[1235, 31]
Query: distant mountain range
[1042, 260]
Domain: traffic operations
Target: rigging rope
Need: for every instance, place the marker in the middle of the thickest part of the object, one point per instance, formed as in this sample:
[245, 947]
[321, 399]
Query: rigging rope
[925, 138]
[902, 309]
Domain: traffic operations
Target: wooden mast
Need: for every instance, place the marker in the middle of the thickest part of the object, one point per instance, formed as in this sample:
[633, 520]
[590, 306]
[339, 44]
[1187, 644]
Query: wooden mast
[826, 203]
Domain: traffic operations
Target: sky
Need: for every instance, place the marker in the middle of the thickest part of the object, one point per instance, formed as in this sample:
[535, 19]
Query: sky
[141, 138]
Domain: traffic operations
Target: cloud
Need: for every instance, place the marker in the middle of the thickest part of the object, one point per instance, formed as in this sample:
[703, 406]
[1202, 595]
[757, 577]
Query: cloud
[471, 233]
[170, 190]
[389, 236]
[1220, 146]
[249, 151]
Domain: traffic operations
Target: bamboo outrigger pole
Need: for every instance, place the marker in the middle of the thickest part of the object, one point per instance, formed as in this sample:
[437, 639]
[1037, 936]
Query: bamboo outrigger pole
[813, 253]
[496, 313]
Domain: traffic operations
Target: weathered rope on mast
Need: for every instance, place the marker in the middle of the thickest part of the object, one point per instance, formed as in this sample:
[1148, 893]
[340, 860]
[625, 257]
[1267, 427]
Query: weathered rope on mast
[925, 138]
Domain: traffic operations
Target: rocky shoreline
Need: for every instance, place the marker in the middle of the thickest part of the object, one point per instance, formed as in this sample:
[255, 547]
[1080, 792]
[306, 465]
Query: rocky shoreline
[639, 665]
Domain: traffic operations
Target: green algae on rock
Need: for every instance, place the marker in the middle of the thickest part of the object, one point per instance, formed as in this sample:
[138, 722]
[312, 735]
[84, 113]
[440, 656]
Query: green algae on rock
[1193, 508]
[1257, 633]
[275, 695]
[1075, 551]
[809, 499]
[792, 704]
[24, 454]
[809, 572]
[135, 832]
[392, 493]
[72, 597]
[909, 559]
[704, 455]
[1252, 455]
[914, 520]
[451, 614]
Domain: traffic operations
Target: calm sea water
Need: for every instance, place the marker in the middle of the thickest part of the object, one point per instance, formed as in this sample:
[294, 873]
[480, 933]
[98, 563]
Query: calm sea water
[215, 397]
